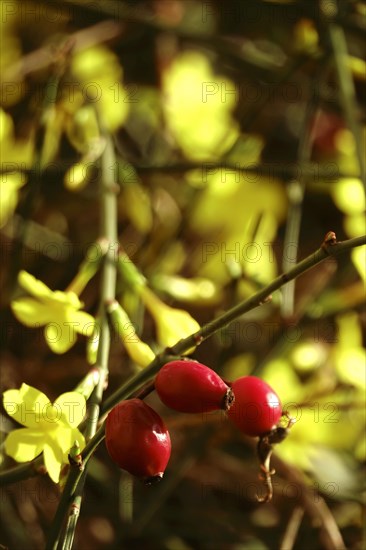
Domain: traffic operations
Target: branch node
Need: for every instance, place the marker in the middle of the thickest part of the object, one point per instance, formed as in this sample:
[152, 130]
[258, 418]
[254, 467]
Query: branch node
[330, 239]
[266, 300]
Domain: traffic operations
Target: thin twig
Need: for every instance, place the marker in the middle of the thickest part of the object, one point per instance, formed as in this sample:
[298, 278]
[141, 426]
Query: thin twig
[108, 292]
[296, 191]
[45, 56]
[292, 528]
[23, 471]
[327, 171]
[260, 68]
[312, 502]
[325, 251]
[347, 90]
[281, 344]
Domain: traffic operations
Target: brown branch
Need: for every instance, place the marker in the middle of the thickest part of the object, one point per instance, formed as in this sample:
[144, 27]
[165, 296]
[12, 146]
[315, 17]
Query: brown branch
[78, 41]
[292, 528]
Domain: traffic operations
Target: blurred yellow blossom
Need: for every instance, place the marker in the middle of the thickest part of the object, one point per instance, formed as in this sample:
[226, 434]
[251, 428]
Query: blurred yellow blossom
[100, 82]
[9, 190]
[198, 107]
[171, 324]
[15, 155]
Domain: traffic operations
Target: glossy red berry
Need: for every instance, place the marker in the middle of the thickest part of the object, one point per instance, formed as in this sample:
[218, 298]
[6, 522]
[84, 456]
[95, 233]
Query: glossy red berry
[257, 408]
[190, 387]
[138, 440]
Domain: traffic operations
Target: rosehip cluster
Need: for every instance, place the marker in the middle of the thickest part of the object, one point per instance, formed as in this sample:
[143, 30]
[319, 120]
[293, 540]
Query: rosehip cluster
[137, 438]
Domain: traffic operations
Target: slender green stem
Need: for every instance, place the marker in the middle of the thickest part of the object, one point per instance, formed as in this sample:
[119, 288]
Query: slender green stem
[108, 283]
[296, 191]
[347, 91]
[70, 529]
[72, 495]
[23, 471]
[324, 252]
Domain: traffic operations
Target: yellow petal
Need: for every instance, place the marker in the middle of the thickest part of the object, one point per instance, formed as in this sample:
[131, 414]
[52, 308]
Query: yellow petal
[67, 298]
[32, 285]
[26, 405]
[31, 313]
[139, 352]
[85, 322]
[9, 186]
[31, 395]
[24, 444]
[59, 338]
[173, 325]
[73, 407]
[77, 176]
[53, 458]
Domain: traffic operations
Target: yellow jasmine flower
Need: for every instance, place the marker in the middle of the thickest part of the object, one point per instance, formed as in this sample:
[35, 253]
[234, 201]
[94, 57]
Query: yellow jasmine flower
[172, 324]
[49, 428]
[59, 312]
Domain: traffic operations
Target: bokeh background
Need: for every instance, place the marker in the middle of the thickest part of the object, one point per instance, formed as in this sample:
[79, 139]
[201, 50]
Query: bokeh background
[239, 135]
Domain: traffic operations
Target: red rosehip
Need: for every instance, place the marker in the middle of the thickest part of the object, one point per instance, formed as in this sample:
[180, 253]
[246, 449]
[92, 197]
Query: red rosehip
[257, 408]
[138, 440]
[190, 387]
